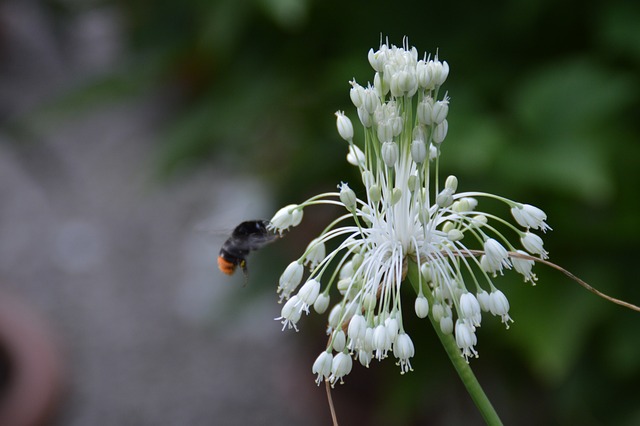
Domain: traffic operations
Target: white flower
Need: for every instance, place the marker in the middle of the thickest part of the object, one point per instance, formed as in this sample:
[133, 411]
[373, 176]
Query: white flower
[403, 350]
[392, 326]
[469, 310]
[424, 111]
[530, 217]
[533, 244]
[451, 183]
[347, 196]
[406, 215]
[484, 300]
[322, 366]
[355, 156]
[322, 303]
[524, 267]
[357, 330]
[439, 111]
[500, 306]
[381, 341]
[365, 357]
[496, 256]
[290, 279]
[421, 307]
[424, 75]
[335, 317]
[446, 324]
[345, 128]
[438, 311]
[315, 253]
[340, 367]
[445, 198]
[377, 59]
[466, 339]
[339, 341]
[390, 153]
[357, 94]
[308, 293]
[291, 313]
[439, 71]
[418, 151]
[286, 217]
[440, 131]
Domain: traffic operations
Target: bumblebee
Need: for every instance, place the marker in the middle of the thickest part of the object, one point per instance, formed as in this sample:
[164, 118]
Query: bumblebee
[246, 237]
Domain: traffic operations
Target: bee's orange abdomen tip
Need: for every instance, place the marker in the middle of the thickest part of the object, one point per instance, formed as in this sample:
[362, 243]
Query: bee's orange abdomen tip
[225, 266]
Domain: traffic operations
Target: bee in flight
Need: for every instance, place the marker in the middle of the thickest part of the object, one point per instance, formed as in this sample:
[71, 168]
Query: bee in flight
[246, 237]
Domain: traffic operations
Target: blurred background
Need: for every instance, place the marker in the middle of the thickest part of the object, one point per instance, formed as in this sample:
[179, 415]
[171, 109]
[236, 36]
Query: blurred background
[135, 135]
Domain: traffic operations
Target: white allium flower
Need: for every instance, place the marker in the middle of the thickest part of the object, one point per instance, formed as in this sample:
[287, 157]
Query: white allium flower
[440, 131]
[424, 111]
[322, 366]
[315, 253]
[403, 350]
[439, 111]
[499, 305]
[438, 311]
[524, 266]
[285, 218]
[390, 153]
[406, 215]
[530, 217]
[469, 309]
[418, 151]
[421, 307]
[466, 339]
[357, 330]
[290, 279]
[322, 303]
[308, 293]
[356, 94]
[365, 357]
[347, 196]
[291, 313]
[533, 244]
[392, 326]
[345, 128]
[446, 324]
[340, 367]
[355, 156]
[381, 341]
[496, 256]
[484, 300]
[339, 341]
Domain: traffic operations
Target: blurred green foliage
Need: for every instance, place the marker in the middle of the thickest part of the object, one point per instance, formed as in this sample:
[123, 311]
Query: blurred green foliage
[545, 98]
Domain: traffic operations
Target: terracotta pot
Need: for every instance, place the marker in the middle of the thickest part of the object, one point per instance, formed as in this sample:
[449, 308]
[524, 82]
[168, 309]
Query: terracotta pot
[31, 373]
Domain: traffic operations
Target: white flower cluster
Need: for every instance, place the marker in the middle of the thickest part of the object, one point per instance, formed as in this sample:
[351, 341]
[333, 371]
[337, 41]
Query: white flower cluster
[405, 216]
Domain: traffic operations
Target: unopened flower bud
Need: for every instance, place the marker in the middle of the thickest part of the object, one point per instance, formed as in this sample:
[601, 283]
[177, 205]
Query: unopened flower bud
[440, 131]
[390, 153]
[347, 196]
[322, 303]
[418, 151]
[424, 111]
[356, 94]
[345, 128]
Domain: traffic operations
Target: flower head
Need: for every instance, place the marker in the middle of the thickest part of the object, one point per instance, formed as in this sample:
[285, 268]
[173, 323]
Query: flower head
[405, 216]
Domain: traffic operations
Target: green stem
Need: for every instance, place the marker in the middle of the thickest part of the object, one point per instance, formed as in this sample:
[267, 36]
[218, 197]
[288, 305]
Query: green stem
[460, 364]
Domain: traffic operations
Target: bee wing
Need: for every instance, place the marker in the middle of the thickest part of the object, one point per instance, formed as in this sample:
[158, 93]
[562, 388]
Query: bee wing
[255, 242]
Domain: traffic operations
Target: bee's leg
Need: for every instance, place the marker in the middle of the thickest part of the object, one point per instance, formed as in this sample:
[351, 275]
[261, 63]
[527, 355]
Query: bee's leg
[245, 271]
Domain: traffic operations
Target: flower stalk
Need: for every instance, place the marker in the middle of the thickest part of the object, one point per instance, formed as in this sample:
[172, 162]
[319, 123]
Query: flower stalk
[462, 366]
